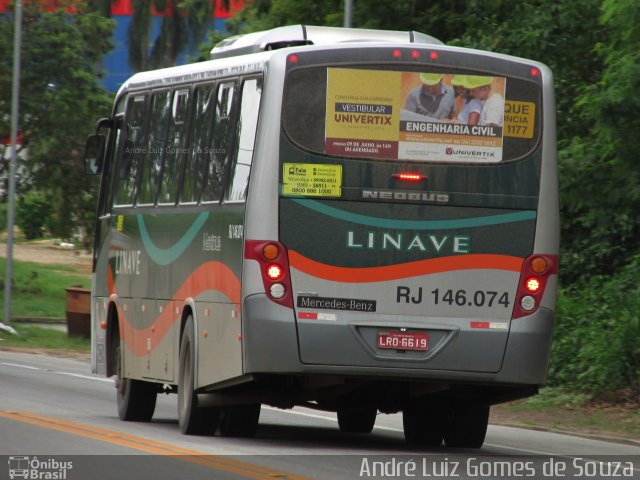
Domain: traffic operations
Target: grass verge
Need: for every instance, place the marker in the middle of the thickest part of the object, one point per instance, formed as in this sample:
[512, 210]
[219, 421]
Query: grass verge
[33, 337]
[615, 416]
[39, 289]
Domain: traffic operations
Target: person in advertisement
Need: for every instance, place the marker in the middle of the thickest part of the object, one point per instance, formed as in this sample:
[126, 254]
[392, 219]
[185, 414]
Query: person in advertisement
[433, 98]
[467, 107]
[492, 102]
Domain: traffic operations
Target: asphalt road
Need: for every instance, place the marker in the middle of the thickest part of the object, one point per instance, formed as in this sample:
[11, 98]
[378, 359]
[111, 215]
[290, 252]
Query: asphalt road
[61, 422]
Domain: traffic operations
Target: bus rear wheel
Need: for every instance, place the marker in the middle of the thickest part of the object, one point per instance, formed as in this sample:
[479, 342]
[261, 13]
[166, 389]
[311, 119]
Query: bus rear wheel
[424, 424]
[193, 419]
[136, 399]
[239, 420]
[467, 426]
[357, 420]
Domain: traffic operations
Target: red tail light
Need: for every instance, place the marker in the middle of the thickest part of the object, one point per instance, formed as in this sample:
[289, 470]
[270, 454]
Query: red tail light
[534, 276]
[274, 272]
[408, 176]
[533, 285]
[274, 267]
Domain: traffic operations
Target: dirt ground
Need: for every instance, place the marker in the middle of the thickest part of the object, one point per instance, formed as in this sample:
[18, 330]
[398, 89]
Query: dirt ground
[46, 251]
[605, 420]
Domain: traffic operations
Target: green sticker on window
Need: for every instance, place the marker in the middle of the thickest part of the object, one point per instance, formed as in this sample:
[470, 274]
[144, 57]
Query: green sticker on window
[312, 180]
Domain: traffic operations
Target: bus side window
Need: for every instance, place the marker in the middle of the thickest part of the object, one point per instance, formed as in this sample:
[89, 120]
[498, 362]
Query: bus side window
[222, 135]
[243, 154]
[156, 147]
[176, 149]
[199, 153]
[131, 154]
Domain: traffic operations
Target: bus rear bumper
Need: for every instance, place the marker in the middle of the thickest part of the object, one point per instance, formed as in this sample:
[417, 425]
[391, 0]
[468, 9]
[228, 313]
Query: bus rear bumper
[271, 346]
[526, 358]
[270, 339]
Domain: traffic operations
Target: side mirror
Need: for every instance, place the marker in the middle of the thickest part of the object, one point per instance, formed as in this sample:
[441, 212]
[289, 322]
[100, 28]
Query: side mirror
[93, 154]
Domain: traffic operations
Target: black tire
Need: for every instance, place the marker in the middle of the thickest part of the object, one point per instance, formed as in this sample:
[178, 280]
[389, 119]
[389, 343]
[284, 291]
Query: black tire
[192, 418]
[467, 427]
[424, 424]
[136, 399]
[357, 420]
[239, 420]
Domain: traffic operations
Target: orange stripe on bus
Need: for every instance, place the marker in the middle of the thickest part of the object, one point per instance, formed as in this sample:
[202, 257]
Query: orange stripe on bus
[111, 284]
[209, 276]
[403, 270]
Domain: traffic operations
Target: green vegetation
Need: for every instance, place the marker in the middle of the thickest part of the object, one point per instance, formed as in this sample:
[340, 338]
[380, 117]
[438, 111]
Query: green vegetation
[596, 346]
[39, 289]
[31, 215]
[42, 337]
[561, 409]
[60, 100]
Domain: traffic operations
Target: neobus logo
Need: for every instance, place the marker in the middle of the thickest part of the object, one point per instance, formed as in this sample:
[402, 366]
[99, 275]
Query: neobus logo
[424, 197]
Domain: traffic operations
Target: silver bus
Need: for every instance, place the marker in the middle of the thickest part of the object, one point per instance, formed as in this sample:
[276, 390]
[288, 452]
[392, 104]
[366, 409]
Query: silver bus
[349, 220]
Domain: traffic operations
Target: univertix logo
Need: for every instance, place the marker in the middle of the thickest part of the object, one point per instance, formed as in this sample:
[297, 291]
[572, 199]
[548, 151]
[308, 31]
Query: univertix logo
[472, 153]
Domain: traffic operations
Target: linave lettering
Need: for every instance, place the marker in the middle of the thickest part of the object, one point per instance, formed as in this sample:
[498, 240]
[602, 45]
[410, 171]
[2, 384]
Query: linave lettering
[337, 304]
[438, 244]
[128, 262]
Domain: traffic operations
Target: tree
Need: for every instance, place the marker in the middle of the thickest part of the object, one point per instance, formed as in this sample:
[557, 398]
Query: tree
[60, 100]
[601, 171]
[183, 26]
[266, 14]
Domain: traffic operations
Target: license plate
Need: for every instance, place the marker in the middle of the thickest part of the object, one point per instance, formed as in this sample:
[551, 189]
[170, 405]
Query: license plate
[403, 340]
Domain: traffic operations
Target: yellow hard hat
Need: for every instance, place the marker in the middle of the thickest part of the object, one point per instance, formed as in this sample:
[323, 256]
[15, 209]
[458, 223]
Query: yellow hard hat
[459, 81]
[475, 81]
[430, 78]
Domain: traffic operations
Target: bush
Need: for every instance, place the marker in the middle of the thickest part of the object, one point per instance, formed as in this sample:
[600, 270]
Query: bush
[52, 224]
[31, 215]
[596, 345]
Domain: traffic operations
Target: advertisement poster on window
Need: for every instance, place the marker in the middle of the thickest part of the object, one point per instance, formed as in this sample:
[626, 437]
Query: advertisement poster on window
[431, 117]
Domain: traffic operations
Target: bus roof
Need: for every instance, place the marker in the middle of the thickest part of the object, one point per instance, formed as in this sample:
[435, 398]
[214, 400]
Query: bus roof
[297, 35]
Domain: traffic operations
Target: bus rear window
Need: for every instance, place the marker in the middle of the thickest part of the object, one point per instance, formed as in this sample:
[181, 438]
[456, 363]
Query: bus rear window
[437, 117]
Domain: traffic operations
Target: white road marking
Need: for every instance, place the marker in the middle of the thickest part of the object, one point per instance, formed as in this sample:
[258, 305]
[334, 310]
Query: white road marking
[77, 375]
[86, 377]
[322, 417]
[304, 414]
[20, 366]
